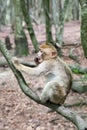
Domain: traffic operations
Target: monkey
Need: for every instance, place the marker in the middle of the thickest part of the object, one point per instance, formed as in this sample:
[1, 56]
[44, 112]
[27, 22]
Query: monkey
[55, 70]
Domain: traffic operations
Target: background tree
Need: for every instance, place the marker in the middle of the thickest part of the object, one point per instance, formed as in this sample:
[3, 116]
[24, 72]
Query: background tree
[20, 37]
[29, 25]
[56, 13]
[48, 20]
[33, 13]
[2, 13]
[83, 4]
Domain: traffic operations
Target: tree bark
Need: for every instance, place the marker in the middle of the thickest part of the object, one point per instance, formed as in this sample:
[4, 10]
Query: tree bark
[59, 19]
[70, 115]
[21, 44]
[20, 36]
[48, 20]
[83, 4]
[29, 25]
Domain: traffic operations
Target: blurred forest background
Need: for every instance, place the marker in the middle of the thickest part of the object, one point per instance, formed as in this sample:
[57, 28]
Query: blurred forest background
[21, 15]
[24, 24]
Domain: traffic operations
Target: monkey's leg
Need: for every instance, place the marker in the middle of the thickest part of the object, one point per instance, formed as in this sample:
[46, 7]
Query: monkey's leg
[54, 93]
[47, 93]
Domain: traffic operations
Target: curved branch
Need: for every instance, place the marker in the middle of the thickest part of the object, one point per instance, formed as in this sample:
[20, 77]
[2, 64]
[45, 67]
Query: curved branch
[70, 115]
[22, 83]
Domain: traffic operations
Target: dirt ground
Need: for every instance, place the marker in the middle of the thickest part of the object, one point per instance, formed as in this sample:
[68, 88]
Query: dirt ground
[17, 111]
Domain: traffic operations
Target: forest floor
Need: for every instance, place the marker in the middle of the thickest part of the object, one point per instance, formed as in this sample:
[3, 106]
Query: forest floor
[17, 111]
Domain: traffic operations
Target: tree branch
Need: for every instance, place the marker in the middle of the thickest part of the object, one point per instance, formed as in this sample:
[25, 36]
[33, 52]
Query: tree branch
[70, 115]
[18, 75]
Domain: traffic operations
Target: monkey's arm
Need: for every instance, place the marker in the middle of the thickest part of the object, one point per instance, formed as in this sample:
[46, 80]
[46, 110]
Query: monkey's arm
[36, 71]
[67, 68]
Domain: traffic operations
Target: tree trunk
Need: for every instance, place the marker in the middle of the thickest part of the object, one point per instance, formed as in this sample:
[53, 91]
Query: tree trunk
[55, 6]
[48, 20]
[83, 4]
[20, 37]
[29, 25]
[21, 45]
[62, 21]
[2, 13]
[59, 17]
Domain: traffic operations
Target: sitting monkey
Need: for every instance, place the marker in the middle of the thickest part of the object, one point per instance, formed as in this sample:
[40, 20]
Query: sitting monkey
[57, 73]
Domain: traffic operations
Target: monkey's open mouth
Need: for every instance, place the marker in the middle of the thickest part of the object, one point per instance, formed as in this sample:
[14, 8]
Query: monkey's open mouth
[37, 60]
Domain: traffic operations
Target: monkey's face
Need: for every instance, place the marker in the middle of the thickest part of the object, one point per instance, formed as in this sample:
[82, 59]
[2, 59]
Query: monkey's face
[39, 57]
[46, 52]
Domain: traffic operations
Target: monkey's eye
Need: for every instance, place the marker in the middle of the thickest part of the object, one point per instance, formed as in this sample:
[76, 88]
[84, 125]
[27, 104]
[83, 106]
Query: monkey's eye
[43, 53]
[40, 54]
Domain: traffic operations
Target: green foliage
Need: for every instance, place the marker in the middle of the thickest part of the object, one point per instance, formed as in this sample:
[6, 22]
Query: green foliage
[75, 69]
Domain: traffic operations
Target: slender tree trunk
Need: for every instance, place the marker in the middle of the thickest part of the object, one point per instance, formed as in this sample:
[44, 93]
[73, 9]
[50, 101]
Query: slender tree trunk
[2, 13]
[75, 10]
[48, 20]
[62, 22]
[20, 37]
[83, 4]
[21, 45]
[59, 17]
[56, 9]
[29, 25]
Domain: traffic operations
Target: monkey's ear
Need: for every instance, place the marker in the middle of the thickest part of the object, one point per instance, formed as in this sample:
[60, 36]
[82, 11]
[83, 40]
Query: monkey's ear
[54, 54]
